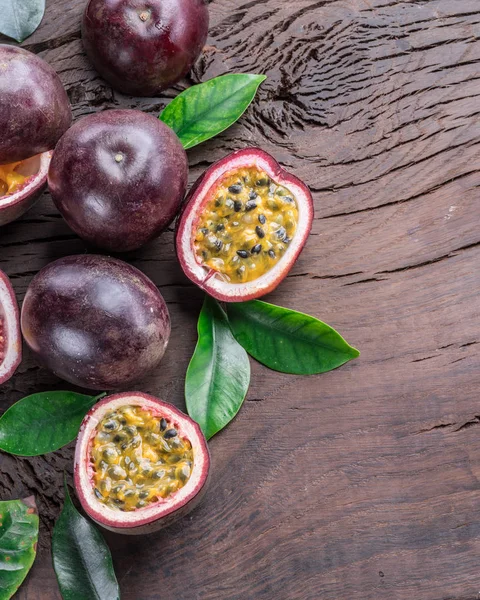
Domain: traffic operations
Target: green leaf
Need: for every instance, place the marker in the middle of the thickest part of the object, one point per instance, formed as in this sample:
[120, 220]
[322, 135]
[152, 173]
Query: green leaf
[219, 373]
[43, 422]
[20, 18]
[81, 558]
[286, 340]
[205, 110]
[18, 543]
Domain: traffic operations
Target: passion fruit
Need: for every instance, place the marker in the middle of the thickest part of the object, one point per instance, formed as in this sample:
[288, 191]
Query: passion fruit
[21, 183]
[140, 463]
[10, 337]
[118, 178]
[34, 108]
[95, 321]
[243, 226]
[141, 47]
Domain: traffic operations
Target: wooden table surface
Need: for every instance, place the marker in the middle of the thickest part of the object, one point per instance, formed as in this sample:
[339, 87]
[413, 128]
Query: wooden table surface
[362, 483]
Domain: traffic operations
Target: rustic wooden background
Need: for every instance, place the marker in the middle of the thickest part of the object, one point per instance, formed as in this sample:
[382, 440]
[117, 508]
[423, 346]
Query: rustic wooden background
[358, 484]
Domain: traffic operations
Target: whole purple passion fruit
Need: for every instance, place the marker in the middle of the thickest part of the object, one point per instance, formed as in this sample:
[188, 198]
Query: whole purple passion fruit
[243, 226]
[34, 107]
[118, 178]
[10, 337]
[141, 47]
[94, 321]
[140, 463]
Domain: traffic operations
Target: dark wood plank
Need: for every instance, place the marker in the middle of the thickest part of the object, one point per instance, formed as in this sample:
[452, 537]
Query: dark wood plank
[360, 483]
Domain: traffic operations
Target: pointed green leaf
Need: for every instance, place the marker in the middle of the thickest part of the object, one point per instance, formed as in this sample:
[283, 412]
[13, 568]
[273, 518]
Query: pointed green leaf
[43, 422]
[20, 18]
[219, 373]
[286, 340]
[205, 110]
[81, 558]
[18, 543]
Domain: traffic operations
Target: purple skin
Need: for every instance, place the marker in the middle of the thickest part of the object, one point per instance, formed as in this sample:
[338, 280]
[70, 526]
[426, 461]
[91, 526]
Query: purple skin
[118, 178]
[142, 47]
[95, 321]
[34, 108]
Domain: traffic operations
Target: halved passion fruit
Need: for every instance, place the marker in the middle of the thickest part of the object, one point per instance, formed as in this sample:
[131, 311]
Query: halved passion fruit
[140, 463]
[245, 223]
[21, 184]
[10, 337]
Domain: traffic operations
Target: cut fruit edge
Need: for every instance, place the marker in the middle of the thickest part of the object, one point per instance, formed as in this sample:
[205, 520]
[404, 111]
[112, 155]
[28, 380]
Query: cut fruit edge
[11, 316]
[32, 184]
[211, 281]
[83, 470]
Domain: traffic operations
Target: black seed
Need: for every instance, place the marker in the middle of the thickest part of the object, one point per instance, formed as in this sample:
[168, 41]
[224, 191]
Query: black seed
[163, 425]
[220, 227]
[287, 240]
[131, 430]
[262, 219]
[235, 189]
[119, 437]
[288, 199]
[218, 245]
[98, 494]
[204, 254]
[260, 232]
[271, 254]
[237, 206]
[263, 182]
[204, 230]
[141, 503]
[117, 501]
[218, 202]
[256, 249]
[242, 253]
[110, 425]
[281, 233]
[252, 195]
[123, 421]
[124, 446]
[143, 494]
[170, 433]
[250, 205]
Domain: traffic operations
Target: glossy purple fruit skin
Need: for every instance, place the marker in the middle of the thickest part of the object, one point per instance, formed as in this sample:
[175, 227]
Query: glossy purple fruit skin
[118, 178]
[143, 57]
[95, 321]
[34, 107]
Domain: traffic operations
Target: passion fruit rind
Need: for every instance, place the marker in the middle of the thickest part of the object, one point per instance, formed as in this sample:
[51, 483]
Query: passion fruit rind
[243, 226]
[140, 463]
[10, 336]
[21, 184]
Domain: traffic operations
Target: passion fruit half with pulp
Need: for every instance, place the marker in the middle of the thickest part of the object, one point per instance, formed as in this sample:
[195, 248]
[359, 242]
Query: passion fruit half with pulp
[21, 184]
[140, 463]
[95, 321]
[10, 337]
[244, 224]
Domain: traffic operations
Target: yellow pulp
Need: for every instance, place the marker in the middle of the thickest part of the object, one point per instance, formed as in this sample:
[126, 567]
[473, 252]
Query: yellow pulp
[246, 227]
[9, 179]
[138, 458]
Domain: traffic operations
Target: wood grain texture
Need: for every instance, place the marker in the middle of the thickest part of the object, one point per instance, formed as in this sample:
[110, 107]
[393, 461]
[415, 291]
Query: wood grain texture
[362, 483]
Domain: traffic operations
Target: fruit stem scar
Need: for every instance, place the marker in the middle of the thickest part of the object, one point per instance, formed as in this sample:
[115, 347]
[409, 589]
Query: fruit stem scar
[144, 15]
[118, 157]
